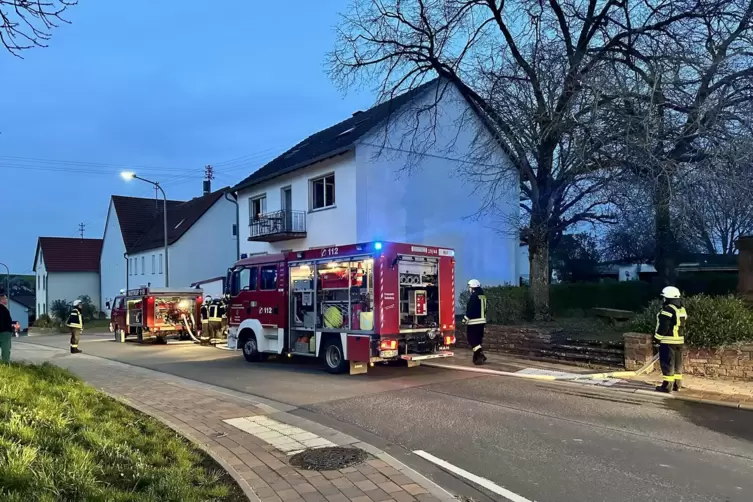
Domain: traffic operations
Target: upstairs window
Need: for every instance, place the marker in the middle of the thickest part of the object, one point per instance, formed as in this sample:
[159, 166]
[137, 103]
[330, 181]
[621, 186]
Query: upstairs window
[257, 207]
[323, 192]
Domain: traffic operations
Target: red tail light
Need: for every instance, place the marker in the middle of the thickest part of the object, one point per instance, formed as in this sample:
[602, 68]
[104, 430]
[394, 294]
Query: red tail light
[388, 345]
[449, 339]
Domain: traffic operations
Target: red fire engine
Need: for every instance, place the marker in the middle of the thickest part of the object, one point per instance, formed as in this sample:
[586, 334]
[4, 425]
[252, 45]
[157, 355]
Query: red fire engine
[155, 312]
[352, 306]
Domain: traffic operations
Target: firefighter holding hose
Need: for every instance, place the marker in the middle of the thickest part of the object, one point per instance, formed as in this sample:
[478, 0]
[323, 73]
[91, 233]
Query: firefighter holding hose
[475, 320]
[670, 336]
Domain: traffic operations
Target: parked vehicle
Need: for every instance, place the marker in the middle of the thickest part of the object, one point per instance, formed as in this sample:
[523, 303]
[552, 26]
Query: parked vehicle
[158, 313]
[352, 306]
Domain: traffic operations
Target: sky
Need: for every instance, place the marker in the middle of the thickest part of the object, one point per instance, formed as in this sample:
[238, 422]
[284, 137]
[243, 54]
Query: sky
[143, 87]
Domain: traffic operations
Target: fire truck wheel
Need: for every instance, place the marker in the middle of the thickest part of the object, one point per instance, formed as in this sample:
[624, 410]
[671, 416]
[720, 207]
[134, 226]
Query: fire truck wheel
[251, 349]
[334, 359]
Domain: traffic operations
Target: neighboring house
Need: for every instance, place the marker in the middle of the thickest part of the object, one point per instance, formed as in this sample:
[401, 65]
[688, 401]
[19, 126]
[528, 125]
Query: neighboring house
[66, 268]
[22, 310]
[202, 242]
[335, 188]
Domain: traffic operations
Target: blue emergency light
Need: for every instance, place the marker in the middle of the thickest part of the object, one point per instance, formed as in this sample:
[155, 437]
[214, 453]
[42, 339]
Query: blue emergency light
[377, 246]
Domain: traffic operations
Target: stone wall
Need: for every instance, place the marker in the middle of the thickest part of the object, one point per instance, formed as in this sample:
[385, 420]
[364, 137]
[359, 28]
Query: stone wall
[730, 363]
[547, 344]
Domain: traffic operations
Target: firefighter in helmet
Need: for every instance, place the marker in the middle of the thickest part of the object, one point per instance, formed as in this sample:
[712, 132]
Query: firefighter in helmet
[216, 310]
[475, 320]
[75, 324]
[204, 313]
[670, 335]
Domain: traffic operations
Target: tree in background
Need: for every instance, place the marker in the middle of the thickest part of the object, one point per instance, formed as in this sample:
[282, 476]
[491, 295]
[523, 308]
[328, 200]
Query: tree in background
[575, 258]
[532, 71]
[25, 24]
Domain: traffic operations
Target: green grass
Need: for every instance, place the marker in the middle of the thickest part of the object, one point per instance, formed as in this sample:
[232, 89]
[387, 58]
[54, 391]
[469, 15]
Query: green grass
[60, 440]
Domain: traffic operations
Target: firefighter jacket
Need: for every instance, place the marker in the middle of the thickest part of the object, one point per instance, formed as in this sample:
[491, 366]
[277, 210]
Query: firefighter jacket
[75, 319]
[670, 323]
[475, 311]
[214, 311]
[204, 312]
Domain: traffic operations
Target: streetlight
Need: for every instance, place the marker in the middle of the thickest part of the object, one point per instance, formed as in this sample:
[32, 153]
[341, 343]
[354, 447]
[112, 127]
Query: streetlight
[7, 280]
[132, 176]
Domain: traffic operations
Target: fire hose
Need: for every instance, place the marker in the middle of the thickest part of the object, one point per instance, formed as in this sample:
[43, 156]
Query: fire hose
[188, 328]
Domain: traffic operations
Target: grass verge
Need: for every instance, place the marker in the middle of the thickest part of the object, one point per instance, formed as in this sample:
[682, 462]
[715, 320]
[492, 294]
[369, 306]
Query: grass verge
[62, 440]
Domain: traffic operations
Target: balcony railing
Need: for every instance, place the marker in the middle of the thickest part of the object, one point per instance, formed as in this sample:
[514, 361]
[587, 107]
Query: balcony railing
[278, 226]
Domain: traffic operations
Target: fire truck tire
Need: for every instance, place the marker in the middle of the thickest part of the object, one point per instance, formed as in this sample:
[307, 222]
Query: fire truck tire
[333, 356]
[251, 348]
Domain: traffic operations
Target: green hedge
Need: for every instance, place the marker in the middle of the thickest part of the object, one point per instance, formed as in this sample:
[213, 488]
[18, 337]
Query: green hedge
[713, 321]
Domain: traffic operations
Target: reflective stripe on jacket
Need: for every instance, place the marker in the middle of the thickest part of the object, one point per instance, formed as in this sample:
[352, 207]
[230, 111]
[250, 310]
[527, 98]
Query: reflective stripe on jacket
[475, 311]
[670, 324]
[75, 320]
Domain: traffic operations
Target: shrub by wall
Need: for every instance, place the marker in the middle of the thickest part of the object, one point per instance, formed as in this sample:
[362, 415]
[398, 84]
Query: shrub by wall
[713, 321]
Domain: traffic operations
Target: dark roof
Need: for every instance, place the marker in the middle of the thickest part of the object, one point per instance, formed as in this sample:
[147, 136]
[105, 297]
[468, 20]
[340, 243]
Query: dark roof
[707, 261]
[332, 141]
[141, 220]
[27, 301]
[69, 254]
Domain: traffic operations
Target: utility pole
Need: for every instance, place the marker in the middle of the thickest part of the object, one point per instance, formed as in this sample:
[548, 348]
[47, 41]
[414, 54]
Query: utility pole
[81, 228]
[209, 172]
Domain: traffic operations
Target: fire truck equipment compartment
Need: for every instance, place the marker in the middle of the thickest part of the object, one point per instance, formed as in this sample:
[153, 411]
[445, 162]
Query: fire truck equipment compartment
[359, 348]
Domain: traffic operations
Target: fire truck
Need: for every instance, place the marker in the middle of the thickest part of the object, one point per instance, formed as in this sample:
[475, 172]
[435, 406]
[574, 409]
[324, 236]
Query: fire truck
[350, 306]
[159, 313]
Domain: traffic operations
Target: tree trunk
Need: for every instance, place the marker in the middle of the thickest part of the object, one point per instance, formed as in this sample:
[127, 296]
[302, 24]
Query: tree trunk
[538, 256]
[666, 245]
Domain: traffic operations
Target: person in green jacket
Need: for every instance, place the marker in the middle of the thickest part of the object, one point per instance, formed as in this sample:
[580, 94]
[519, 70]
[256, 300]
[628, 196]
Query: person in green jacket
[6, 329]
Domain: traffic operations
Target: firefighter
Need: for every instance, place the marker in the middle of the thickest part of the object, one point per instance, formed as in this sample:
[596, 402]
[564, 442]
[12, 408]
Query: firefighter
[76, 325]
[216, 310]
[475, 320]
[670, 336]
[204, 313]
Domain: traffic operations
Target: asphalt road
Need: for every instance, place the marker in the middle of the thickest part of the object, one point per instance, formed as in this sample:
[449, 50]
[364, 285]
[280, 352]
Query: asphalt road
[543, 442]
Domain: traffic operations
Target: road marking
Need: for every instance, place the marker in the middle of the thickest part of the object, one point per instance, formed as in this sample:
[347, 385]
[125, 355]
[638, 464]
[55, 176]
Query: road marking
[286, 438]
[483, 482]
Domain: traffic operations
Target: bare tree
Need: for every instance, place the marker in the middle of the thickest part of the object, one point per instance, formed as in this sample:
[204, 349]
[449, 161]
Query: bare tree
[679, 97]
[25, 24]
[527, 69]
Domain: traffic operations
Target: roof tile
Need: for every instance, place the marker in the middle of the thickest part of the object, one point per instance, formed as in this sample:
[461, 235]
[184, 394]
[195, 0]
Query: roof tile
[70, 254]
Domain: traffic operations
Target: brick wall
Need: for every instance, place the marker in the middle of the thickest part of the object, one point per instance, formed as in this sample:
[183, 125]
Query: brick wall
[730, 363]
[547, 344]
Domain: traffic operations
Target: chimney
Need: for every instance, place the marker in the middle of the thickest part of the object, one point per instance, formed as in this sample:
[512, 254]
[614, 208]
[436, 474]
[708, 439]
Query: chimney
[207, 187]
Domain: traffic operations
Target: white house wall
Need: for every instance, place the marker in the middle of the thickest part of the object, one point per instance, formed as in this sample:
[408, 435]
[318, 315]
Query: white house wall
[70, 286]
[206, 250]
[434, 204]
[329, 226]
[41, 291]
[112, 264]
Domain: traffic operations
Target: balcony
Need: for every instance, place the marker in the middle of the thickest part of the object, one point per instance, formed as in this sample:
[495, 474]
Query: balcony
[278, 226]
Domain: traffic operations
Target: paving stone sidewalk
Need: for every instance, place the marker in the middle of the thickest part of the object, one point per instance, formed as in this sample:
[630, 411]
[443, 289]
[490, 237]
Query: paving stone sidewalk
[695, 388]
[205, 414]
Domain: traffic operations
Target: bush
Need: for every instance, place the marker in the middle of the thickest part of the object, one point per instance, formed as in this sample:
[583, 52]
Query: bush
[44, 321]
[713, 321]
[712, 284]
[505, 304]
[566, 299]
[60, 310]
[88, 310]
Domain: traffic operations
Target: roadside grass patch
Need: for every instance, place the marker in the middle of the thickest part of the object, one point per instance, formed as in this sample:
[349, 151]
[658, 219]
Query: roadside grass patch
[62, 440]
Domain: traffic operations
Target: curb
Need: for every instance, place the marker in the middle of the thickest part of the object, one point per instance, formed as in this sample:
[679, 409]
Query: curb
[739, 405]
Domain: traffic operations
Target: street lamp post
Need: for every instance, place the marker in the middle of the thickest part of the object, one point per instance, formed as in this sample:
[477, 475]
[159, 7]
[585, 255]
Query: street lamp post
[7, 280]
[132, 176]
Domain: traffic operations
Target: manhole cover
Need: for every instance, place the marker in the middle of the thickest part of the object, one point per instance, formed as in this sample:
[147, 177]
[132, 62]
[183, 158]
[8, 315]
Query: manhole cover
[330, 458]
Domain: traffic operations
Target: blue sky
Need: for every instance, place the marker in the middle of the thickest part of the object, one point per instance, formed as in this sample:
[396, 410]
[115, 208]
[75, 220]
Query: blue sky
[138, 84]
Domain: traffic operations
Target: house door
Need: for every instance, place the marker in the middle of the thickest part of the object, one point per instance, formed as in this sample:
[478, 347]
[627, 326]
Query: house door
[287, 208]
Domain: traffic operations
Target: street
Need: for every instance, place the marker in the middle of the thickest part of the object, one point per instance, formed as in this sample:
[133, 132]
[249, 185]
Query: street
[538, 441]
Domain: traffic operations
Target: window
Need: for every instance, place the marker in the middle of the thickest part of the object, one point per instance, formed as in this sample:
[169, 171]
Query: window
[323, 192]
[160, 263]
[154, 264]
[257, 206]
[268, 277]
[235, 230]
[44, 282]
[143, 267]
[39, 282]
[135, 266]
[243, 279]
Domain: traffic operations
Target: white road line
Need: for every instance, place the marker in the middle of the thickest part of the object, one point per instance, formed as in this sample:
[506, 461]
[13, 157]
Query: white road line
[483, 482]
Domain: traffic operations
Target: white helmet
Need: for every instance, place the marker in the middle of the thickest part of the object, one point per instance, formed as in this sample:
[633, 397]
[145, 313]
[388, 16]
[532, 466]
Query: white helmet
[670, 292]
[76, 303]
[474, 283]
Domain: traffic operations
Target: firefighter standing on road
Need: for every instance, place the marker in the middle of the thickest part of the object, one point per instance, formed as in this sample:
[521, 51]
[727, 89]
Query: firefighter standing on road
[204, 312]
[670, 335]
[216, 309]
[76, 325]
[475, 320]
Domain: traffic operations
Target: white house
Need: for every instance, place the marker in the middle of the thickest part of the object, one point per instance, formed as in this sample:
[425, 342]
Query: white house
[202, 242]
[21, 308]
[66, 268]
[346, 184]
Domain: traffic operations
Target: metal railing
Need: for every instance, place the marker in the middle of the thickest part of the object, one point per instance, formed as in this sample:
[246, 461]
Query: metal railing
[282, 222]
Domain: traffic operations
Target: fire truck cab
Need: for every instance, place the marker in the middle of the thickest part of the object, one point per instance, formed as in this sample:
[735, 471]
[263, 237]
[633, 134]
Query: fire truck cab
[352, 306]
